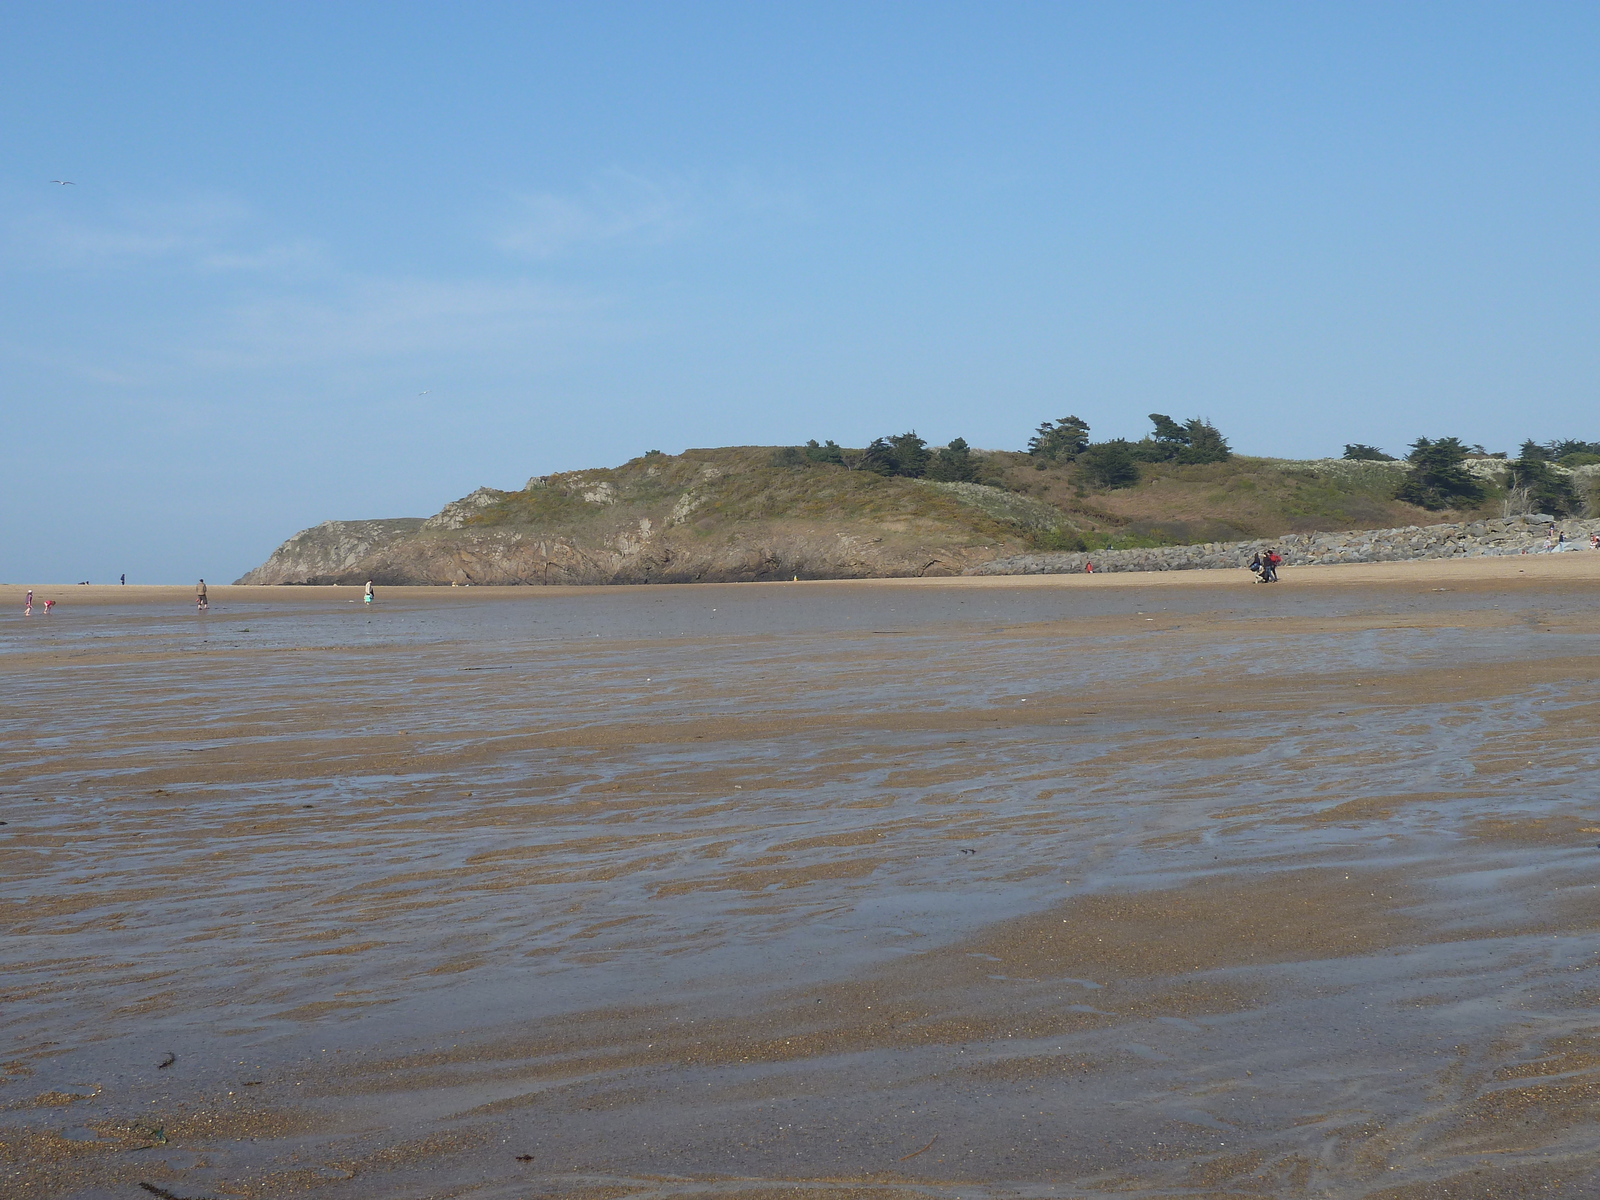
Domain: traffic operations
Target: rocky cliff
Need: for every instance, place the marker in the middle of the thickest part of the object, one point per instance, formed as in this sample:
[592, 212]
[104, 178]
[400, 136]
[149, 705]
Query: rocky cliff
[332, 548]
[741, 513]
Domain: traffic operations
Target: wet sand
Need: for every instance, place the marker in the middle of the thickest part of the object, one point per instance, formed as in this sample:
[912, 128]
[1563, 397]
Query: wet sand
[1057, 886]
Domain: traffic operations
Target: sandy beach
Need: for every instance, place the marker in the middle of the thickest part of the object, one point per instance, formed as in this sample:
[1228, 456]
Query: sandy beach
[1049, 886]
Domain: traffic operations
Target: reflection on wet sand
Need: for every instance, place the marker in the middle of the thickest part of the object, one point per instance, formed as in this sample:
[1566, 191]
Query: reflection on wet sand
[829, 890]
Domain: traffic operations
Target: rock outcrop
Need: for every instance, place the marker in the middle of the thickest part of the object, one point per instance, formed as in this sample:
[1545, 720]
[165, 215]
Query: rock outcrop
[1509, 535]
[711, 516]
[330, 549]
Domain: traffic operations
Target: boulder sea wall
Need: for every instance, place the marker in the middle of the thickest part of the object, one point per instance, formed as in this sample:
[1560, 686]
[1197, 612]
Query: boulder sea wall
[1507, 535]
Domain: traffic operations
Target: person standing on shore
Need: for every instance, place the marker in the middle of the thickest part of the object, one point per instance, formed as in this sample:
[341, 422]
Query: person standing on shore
[366, 596]
[200, 604]
[27, 604]
[124, 579]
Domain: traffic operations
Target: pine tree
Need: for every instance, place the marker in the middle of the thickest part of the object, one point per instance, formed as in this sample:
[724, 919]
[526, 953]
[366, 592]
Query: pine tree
[1062, 441]
[1437, 478]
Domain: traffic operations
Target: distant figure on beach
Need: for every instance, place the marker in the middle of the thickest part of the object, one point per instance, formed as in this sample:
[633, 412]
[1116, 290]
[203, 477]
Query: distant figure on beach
[48, 605]
[27, 604]
[366, 596]
[1269, 566]
[1256, 567]
[1594, 541]
[124, 579]
[200, 603]
[1088, 568]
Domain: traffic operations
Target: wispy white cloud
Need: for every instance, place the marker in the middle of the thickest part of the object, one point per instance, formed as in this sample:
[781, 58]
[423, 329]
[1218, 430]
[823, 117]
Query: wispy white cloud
[627, 209]
[206, 233]
[621, 207]
[372, 319]
[253, 299]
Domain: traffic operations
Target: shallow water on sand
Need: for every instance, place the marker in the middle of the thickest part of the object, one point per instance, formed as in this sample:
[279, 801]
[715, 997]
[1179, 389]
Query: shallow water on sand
[694, 890]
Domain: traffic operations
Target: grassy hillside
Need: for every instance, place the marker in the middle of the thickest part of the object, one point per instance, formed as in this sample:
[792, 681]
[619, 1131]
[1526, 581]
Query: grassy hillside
[1042, 505]
[762, 512]
[712, 494]
[1240, 499]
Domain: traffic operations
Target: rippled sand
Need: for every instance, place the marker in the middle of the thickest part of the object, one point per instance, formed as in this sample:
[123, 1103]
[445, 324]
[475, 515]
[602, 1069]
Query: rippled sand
[1049, 887]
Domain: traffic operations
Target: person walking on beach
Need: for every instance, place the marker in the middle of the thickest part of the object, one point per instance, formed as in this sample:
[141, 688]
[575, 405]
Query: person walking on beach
[27, 604]
[366, 596]
[1256, 567]
[200, 604]
[124, 579]
[1269, 567]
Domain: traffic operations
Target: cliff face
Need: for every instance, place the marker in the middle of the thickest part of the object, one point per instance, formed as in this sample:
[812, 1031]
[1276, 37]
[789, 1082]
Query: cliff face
[332, 548]
[705, 515]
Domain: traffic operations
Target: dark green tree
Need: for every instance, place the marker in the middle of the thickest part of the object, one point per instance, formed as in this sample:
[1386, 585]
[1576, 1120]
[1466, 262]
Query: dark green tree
[1205, 443]
[1169, 433]
[1579, 453]
[1437, 479]
[825, 453]
[1531, 451]
[1060, 442]
[954, 463]
[1109, 465]
[1360, 452]
[1548, 490]
[1193, 441]
[878, 457]
[910, 454]
[904, 454]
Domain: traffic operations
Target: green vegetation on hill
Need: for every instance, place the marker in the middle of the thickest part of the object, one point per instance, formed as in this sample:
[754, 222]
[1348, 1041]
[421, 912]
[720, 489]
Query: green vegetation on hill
[1030, 500]
[707, 493]
[900, 506]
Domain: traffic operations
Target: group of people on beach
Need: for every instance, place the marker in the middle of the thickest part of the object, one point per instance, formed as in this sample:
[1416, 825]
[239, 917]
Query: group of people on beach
[1265, 565]
[201, 603]
[1556, 540]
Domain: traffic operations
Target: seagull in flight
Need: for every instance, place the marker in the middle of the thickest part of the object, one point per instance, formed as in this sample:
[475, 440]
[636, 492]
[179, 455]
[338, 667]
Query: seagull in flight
[64, 182]
[422, 393]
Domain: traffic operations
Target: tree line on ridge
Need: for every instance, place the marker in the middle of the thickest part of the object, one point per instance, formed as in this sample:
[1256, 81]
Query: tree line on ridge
[1436, 478]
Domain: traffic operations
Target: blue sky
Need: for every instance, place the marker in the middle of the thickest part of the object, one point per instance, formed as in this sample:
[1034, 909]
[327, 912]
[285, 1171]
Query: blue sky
[584, 231]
